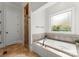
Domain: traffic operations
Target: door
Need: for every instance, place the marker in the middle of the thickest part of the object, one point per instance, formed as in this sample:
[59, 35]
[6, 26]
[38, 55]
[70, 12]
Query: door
[26, 26]
[11, 35]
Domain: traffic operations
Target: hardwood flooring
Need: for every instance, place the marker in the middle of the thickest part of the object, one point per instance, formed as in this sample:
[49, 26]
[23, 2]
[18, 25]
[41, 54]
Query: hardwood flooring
[18, 50]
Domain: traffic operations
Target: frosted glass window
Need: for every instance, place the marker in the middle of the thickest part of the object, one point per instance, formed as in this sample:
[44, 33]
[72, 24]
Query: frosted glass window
[61, 22]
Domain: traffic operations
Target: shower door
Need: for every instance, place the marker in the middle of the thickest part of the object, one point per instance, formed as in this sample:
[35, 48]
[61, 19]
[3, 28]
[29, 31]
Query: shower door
[1, 33]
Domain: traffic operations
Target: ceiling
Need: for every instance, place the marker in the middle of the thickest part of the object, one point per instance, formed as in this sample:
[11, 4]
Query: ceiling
[19, 4]
[36, 5]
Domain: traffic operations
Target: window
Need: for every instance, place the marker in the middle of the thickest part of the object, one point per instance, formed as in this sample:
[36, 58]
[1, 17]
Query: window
[61, 22]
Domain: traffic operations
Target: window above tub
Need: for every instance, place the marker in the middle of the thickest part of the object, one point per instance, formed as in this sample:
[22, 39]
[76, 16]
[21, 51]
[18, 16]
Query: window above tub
[61, 21]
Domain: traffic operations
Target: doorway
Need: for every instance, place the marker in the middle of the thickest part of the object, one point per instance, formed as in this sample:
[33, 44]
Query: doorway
[26, 26]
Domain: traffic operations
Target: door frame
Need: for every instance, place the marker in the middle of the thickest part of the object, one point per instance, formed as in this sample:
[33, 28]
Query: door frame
[26, 14]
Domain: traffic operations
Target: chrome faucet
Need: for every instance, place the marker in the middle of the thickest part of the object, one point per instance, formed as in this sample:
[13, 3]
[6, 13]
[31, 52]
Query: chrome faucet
[44, 40]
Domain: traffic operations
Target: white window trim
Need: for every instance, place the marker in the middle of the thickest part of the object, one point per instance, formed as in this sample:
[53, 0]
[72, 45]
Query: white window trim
[72, 21]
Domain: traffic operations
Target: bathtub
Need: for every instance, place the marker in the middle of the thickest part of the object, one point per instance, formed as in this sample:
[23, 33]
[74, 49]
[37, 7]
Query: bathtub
[54, 48]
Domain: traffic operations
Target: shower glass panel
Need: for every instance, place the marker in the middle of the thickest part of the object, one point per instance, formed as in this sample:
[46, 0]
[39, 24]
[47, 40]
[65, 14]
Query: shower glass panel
[1, 33]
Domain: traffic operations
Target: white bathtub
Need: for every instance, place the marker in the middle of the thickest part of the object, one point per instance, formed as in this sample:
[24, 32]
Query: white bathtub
[54, 48]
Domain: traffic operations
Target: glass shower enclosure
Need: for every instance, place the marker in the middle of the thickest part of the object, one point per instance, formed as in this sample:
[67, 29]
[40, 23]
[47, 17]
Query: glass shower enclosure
[2, 45]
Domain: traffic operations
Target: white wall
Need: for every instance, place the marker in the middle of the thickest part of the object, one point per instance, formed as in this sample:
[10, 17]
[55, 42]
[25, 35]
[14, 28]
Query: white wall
[38, 22]
[38, 19]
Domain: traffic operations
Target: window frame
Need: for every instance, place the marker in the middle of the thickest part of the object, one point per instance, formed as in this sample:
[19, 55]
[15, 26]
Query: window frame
[72, 21]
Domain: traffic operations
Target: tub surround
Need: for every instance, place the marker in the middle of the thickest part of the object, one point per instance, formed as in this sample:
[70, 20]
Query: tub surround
[61, 37]
[38, 36]
[66, 38]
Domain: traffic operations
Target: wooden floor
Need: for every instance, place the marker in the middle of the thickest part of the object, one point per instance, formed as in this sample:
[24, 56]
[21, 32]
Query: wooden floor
[18, 50]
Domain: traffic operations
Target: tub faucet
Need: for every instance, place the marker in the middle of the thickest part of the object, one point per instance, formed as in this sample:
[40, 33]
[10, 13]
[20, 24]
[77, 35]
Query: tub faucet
[44, 40]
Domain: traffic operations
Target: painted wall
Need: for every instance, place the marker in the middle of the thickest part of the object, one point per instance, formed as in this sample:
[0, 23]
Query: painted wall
[38, 18]
[38, 22]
